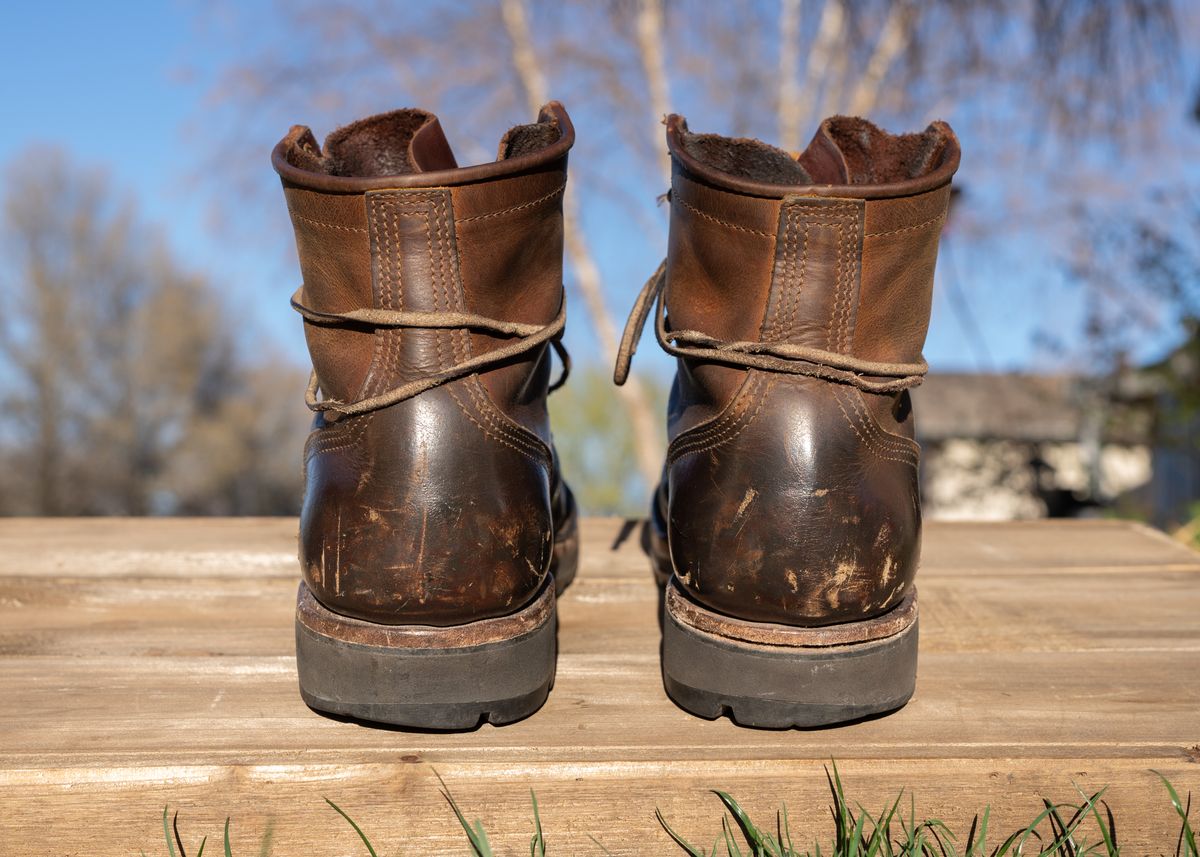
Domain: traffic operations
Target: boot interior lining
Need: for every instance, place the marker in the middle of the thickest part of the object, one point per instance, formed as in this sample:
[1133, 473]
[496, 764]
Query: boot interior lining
[871, 155]
[528, 139]
[375, 146]
[379, 145]
[745, 158]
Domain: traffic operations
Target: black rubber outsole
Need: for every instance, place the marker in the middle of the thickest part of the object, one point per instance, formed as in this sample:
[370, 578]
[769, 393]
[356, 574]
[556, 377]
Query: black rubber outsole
[427, 678]
[782, 686]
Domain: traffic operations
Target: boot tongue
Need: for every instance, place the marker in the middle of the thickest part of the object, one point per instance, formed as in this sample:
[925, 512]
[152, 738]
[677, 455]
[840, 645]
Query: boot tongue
[823, 160]
[849, 150]
[428, 150]
[389, 144]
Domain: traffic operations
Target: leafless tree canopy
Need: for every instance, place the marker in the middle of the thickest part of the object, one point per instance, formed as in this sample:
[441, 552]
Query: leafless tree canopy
[124, 390]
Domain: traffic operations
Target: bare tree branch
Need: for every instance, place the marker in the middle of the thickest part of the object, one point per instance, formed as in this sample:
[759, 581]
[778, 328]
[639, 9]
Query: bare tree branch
[789, 111]
[650, 41]
[893, 39]
[820, 56]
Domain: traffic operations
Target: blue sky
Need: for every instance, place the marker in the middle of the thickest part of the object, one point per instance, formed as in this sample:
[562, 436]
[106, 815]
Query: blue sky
[122, 86]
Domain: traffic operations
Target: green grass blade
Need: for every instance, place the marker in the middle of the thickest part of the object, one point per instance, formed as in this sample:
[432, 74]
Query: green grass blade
[856, 837]
[537, 846]
[730, 845]
[1186, 836]
[476, 835]
[264, 847]
[200, 853]
[786, 841]
[598, 844]
[357, 829]
[1107, 833]
[167, 834]
[178, 838]
[679, 840]
[1065, 843]
[754, 837]
[1031, 830]
[228, 850]
[970, 852]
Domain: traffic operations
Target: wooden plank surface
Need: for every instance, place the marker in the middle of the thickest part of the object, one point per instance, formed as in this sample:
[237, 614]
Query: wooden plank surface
[146, 662]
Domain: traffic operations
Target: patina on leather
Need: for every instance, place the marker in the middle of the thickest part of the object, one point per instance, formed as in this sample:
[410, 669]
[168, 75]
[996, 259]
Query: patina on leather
[797, 294]
[445, 506]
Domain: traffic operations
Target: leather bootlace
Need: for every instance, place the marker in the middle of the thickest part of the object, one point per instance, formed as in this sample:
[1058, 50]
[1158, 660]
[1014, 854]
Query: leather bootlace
[528, 337]
[769, 356]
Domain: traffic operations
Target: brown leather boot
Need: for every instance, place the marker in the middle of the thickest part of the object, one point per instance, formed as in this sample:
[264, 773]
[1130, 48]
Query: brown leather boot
[435, 526]
[798, 295]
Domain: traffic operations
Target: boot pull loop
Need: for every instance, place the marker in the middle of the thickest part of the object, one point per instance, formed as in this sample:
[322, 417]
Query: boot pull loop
[530, 336]
[646, 299]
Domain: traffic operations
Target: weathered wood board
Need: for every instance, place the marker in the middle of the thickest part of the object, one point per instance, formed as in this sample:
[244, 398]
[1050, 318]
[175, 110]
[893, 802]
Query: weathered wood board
[149, 662]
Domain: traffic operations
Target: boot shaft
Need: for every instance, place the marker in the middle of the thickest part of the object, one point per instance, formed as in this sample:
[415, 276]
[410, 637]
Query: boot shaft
[833, 250]
[384, 219]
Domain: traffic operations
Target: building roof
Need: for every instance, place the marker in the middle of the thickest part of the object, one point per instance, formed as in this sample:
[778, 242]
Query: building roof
[998, 407]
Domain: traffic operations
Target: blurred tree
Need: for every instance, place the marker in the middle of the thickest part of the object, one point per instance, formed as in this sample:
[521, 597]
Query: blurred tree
[595, 443]
[124, 393]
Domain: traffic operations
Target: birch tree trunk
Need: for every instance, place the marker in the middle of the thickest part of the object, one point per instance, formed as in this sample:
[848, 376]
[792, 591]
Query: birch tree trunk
[789, 65]
[632, 395]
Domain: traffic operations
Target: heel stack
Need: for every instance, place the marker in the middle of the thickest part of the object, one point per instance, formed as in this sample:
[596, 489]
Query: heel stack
[420, 676]
[780, 676]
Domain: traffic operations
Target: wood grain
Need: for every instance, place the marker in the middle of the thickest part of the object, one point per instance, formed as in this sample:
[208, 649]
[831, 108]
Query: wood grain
[146, 662]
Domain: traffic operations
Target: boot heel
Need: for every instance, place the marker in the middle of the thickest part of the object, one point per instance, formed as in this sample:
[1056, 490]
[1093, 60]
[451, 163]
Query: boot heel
[779, 676]
[425, 677]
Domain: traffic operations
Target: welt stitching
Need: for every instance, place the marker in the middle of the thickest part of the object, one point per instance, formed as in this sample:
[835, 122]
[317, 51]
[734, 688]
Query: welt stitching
[832, 342]
[921, 225]
[487, 433]
[853, 294]
[845, 265]
[789, 245]
[887, 438]
[715, 432]
[867, 444]
[731, 414]
[874, 438]
[733, 431]
[460, 343]
[799, 282]
[726, 223]
[496, 429]
[384, 340]
[498, 420]
[328, 225]
[513, 208]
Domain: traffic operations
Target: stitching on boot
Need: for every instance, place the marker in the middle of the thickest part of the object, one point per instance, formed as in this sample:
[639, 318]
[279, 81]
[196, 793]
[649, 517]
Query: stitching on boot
[744, 418]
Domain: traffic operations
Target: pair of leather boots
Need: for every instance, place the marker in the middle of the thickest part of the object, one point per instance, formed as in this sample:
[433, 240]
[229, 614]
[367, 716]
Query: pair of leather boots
[437, 530]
